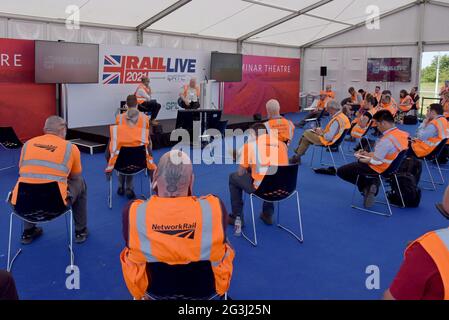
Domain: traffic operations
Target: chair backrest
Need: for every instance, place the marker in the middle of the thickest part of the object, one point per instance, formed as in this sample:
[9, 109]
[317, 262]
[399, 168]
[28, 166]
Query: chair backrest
[39, 202]
[436, 152]
[193, 281]
[9, 139]
[396, 164]
[341, 139]
[279, 185]
[131, 160]
[222, 127]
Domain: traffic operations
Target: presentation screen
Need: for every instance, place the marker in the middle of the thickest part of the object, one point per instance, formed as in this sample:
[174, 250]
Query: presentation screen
[226, 67]
[389, 70]
[66, 62]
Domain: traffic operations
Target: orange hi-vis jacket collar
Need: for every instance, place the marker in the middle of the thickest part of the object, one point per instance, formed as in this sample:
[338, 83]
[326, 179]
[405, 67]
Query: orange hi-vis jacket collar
[343, 124]
[186, 89]
[285, 128]
[436, 244]
[143, 121]
[141, 99]
[405, 108]
[423, 148]
[399, 139]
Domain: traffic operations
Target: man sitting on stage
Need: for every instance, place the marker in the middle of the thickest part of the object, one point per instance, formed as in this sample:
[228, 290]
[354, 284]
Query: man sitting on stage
[131, 103]
[189, 96]
[146, 104]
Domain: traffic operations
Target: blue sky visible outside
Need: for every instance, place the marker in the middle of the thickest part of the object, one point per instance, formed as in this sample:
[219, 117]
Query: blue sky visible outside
[427, 57]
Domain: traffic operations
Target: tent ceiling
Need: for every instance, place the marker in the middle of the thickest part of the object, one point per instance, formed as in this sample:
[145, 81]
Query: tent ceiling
[215, 18]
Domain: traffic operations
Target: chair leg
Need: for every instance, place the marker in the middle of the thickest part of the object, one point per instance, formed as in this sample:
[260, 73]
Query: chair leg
[253, 242]
[388, 214]
[313, 155]
[343, 155]
[440, 172]
[72, 255]
[332, 157]
[400, 191]
[10, 262]
[300, 238]
[434, 188]
[110, 192]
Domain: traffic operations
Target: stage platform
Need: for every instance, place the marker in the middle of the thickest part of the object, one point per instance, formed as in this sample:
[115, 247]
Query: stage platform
[98, 136]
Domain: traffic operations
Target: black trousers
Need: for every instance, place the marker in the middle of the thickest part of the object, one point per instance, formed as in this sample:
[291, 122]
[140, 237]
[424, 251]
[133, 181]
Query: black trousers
[8, 289]
[350, 172]
[191, 106]
[152, 107]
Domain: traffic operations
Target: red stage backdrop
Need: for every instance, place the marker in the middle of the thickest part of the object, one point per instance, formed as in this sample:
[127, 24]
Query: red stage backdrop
[23, 104]
[264, 78]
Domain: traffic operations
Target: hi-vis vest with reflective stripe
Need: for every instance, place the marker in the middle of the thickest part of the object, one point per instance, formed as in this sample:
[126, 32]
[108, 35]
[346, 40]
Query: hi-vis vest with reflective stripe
[179, 231]
[142, 122]
[390, 107]
[285, 128]
[263, 153]
[358, 131]
[446, 109]
[343, 124]
[330, 94]
[45, 159]
[126, 136]
[400, 141]
[142, 99]
[406, 108]
[436, 244]
[322, 104]
[186, 91]
[423, 148]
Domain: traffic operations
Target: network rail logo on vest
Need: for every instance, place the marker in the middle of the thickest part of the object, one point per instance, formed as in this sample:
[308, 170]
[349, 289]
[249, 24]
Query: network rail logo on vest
[122, 69]
[47, 147]
[186, 230]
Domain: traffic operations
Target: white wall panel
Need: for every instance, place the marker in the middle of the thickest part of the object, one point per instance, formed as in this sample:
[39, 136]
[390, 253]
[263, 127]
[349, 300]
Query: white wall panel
[436, 23]
[3, 28]
[123, 37]
[19, 29]
[60, 32]
[313, 59]
[172, 42]
[152, 40]
[95, 35]
[436, 47]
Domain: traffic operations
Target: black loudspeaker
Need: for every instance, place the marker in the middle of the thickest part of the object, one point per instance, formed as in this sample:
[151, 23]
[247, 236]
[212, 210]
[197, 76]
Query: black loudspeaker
[323, 71]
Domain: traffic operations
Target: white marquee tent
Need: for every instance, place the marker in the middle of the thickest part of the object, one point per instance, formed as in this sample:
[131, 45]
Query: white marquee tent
[331, 33]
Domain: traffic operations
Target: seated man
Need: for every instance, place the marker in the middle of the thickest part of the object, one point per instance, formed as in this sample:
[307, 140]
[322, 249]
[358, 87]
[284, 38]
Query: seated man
[131, 103]
[285, 128]
[255, 158]
[129, 135]
[184, 228]
[364, 117]
[327, 137]
[330, 93]
[356, 97]
[319, 106]
[8, 289]
[146, 103]
[386, 150]
[377, 94]
[387, 103]
[424, 273]
[51, 158]
[189, 98]
[431, 132]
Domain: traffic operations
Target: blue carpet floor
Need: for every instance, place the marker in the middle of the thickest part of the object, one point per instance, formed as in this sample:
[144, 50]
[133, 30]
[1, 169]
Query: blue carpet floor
[340, 242]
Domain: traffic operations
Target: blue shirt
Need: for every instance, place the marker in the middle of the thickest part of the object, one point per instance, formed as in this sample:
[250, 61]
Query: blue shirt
[333, 130]
[427, 131]
[384, 147]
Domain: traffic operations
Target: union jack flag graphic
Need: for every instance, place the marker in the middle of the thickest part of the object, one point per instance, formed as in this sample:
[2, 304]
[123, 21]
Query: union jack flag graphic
[114, 69]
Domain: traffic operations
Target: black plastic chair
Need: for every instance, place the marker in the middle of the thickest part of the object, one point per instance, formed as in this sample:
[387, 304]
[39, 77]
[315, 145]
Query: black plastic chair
[388, 175]
[130, 162]
[336, 145]
[39, 203]
[193, 281]
[9, 141]
[433, 156]
[278, 186]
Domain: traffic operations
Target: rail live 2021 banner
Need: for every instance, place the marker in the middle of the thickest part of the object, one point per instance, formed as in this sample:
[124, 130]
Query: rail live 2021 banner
[264, 78]
[120, 71]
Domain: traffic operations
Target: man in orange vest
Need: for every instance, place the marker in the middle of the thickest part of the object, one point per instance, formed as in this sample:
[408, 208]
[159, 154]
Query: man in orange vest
[131, 103]
[386, 150]
[285, 128]
[129, 135]
[319, 106]
[254, 159]
[330, 92]
[431, 132]
[378, 95]
[175, 228]
[146, 103]
[189, 97]
[334, 130]
[51, 158]
[388, 103]
[424, 273]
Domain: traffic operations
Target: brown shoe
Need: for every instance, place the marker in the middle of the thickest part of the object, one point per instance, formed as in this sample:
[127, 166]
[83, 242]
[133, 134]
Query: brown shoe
[267, 218]
[154, 122]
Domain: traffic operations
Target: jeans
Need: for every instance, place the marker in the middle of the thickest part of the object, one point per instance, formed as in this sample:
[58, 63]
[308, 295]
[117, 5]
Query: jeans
[238, 185]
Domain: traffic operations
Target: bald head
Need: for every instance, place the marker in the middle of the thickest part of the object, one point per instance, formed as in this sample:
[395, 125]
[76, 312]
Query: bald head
[55, 125]
[174, 175]
[273, 108]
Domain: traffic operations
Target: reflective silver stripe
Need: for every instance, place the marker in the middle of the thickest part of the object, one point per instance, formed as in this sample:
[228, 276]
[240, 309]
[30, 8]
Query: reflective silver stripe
[267, 125]
[394, 141]
[47, 164]
[120, 121]
[114, 138]
[292, 129]
[68, 154]
[43, 176]
[142, 232]
[24, 149]
[206, 234]
[444, 236]
[217, 263]
[144, 135]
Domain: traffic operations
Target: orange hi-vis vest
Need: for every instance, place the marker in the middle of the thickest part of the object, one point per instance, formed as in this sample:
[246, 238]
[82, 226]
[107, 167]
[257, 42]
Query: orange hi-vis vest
[446, 109]
[37, 166]
[343, 124]
[436, 244]
[423, 148]
[142, 122]
[399, 139]
[390, 107]
[142, 99]
[261, 154]
[285, 128]
[358, 131]
[322, 104]
[176, 231]
[378, 96]
[186, 91]
[405, 108]
[330, 94]
[126, 136]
